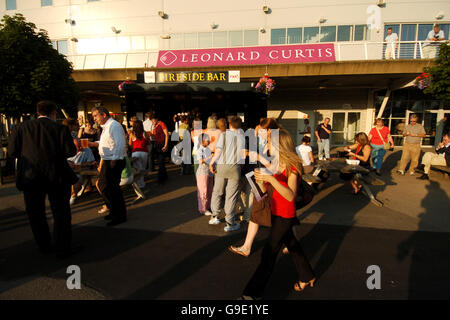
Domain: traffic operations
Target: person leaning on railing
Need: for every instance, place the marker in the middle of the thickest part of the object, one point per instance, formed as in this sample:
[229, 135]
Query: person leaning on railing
[432, 42]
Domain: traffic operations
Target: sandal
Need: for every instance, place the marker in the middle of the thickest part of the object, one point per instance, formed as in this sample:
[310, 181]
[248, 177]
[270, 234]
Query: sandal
[238, 250]
[298, 287]
[103, 210]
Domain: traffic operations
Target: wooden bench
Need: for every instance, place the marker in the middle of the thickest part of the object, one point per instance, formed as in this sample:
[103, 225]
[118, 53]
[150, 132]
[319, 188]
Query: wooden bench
[443, 169]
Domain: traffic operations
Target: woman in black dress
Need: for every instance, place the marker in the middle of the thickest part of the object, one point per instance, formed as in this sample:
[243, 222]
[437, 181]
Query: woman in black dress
[92, 134]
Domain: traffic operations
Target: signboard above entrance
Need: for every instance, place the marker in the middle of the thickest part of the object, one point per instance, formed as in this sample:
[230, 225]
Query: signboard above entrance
[191, 76]
[323, 52]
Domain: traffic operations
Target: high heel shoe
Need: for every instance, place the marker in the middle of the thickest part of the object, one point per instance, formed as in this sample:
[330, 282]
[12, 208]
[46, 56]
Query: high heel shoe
[298, 288]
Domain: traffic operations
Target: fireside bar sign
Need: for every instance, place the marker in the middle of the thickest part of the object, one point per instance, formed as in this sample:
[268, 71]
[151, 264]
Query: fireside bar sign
[232, 76]
[247, 56]
[190, 76]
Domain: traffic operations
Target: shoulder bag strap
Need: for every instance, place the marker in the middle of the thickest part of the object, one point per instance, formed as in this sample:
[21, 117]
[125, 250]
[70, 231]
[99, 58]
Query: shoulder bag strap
[379, 133]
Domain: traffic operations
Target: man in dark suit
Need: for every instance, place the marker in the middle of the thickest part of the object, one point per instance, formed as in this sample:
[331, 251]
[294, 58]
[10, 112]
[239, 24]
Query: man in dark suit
[42, 147]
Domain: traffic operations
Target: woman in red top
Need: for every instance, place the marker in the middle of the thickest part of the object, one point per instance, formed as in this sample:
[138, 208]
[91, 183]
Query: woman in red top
[285, 182]
[138, 141]
[378, 136]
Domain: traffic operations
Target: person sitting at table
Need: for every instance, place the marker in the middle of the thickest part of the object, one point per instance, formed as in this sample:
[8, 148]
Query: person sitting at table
[84, 156]
[362, 153]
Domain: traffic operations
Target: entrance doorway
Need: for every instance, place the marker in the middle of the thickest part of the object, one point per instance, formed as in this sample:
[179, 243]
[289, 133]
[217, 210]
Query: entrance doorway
[428, 119]
[250, 106]
[345, 125]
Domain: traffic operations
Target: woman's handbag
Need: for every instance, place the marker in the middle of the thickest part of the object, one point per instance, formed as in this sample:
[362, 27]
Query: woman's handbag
[386, 145]
[261, 213]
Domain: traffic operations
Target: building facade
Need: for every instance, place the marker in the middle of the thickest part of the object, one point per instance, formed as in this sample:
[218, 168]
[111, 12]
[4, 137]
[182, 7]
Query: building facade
[109, 41]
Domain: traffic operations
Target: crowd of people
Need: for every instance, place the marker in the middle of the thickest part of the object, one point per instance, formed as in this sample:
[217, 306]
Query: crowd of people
[223, 156]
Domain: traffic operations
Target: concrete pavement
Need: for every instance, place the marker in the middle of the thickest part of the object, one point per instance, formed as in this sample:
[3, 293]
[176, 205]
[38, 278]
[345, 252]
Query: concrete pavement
[167, 250]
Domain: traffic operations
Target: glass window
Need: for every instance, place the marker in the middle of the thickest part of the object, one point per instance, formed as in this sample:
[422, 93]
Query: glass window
[359, 32]
[54, 45]
[407, 50]
[152, 42]
[446, 29]
[294, 35]
[11, 5]
[190, 40]
[311, 34]
[277, 36]
[236, 38]
[220, 39]
[176, 41]
[408, 32]
[344, 33]
[423, 31]
[138, 43]
[328, 34]
[251, 37]
[205, 39]
[45, 3]
[63, 47]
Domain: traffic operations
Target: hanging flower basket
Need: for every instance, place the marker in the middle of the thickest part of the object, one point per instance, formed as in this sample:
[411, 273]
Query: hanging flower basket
[423, 81]
[265, 84]
[124, 85]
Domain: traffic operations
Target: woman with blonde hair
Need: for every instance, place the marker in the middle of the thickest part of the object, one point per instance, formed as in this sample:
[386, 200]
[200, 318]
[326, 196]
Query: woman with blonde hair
[263, 133]
[285, 181]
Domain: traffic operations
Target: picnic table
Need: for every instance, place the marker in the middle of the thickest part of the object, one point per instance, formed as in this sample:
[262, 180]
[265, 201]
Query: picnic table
[362, 175]
[87, 172]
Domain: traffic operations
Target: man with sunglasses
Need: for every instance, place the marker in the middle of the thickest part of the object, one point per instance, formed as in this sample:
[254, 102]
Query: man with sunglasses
[413, 133]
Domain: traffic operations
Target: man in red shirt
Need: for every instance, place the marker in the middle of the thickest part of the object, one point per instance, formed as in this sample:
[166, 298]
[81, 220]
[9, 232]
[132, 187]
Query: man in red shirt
[160, 136]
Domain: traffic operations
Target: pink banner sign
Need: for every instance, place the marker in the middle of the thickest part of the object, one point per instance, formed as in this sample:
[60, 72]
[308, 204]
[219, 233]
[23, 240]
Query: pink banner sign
[323, 52]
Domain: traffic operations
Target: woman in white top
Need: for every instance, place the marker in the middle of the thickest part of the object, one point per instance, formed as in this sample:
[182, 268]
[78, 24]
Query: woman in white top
[304, 151]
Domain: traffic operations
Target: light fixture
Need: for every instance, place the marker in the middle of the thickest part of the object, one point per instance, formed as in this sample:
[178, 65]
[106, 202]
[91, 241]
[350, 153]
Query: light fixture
[262, 30]
[70, 21]
[266, 9]
[214, 25]
[74, 39]
[115, 30]
[440, 15]
[381, 3]
[322, 20]
[165, 36]
[162, 14]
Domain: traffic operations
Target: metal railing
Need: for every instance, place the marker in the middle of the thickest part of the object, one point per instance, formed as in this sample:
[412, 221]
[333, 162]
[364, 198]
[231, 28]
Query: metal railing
[344, 51]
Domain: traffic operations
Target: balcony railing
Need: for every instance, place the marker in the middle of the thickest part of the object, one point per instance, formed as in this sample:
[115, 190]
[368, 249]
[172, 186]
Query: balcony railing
[344, 51]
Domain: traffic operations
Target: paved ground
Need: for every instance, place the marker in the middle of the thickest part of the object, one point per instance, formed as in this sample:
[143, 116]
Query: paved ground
[168, 251]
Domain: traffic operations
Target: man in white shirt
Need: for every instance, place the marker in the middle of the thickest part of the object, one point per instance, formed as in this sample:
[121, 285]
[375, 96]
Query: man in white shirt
[434, 38]
[304, 151]
[148, 128]
[111, 148]
[391, 44]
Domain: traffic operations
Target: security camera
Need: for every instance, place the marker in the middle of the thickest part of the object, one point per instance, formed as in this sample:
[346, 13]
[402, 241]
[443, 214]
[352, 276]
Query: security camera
[440, 15]
[115, 30]
[262, 30]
